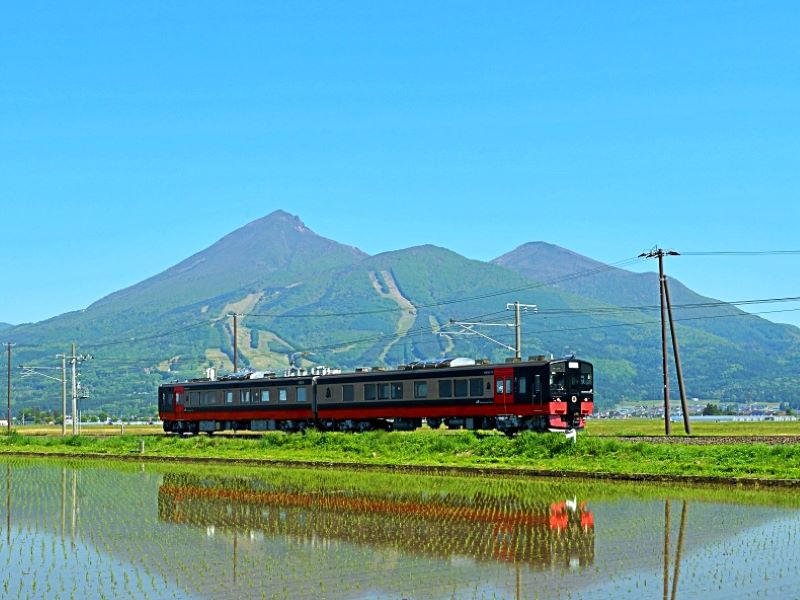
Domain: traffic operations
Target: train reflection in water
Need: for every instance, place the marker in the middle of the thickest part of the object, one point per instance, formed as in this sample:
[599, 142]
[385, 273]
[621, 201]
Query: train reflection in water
[541, 534]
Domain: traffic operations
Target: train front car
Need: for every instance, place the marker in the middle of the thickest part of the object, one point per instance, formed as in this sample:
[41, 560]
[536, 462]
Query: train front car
[569, 393]
[543, 395]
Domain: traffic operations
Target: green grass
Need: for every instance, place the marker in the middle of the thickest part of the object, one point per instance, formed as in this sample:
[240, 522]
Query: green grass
[549, 452]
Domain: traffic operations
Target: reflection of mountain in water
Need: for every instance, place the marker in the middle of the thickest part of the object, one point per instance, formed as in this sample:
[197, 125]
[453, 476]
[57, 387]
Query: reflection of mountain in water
[485, 528]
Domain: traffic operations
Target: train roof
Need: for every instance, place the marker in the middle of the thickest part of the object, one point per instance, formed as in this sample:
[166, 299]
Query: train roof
[321, 371]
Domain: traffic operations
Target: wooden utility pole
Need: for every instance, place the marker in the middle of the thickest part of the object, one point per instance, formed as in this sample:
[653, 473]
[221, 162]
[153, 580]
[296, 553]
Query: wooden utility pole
[664, 366]
[9, 345]
[678, 369]
[666, 312]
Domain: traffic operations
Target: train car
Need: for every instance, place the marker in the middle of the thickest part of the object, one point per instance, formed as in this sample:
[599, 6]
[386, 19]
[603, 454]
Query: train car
[537, 394]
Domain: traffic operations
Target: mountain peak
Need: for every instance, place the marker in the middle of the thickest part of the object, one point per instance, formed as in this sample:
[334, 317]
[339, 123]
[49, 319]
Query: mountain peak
[282, 217]
[543, 261]
[253, 256]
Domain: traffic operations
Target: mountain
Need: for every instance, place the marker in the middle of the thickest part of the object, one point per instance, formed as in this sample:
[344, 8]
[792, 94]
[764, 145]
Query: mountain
[5, 326]
[302, 298]
[721, 346]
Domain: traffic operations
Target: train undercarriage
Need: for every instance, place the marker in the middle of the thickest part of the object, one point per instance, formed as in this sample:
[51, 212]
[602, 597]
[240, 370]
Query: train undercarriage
[508, 424]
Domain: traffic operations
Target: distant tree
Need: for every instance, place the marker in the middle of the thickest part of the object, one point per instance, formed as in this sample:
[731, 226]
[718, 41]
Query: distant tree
[712, 409]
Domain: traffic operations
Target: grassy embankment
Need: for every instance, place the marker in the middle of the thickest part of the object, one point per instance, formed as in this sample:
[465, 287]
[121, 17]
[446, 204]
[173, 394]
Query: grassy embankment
[551, 453]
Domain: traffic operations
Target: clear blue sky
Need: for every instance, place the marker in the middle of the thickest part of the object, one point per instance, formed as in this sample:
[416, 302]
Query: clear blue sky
[135, 134]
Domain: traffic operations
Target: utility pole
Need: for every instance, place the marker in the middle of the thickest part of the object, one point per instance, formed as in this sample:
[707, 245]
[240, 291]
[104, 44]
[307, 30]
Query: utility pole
[74, 363]
[9, 345]
[74, 360]
[518, 325]
[28, 371]
[63, 358]
[469, 328]
[235, 342]
[678, 369]
[666, 309]
[63, 394]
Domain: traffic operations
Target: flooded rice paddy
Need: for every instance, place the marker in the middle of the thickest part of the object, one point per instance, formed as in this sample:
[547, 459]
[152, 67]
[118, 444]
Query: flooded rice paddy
[112, 530]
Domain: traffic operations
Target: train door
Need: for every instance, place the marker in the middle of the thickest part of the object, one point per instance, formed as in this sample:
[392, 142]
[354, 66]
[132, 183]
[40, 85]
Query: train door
[180, 399]
[503, 385]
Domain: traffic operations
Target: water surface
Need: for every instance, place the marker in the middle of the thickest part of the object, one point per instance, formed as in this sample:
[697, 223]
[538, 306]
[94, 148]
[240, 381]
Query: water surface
[109, 530]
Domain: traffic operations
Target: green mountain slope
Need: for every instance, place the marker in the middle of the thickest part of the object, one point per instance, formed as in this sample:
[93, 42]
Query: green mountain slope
[304, 299]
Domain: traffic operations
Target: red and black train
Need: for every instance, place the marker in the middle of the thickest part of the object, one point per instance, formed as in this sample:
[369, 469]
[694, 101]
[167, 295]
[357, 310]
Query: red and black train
[537, 394]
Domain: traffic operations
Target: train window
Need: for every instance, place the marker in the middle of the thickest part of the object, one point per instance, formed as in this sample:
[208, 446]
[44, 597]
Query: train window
[509, 388]
[557, 381]
[208, 398]
[476, 386]
[397, 391]
[445, 388]
[383, 391]
[244, 396]
[369, 391]
[586, 377]
[522, 385]
[537, 383]
[265, 395]
[302, 394]
[420, 389]
[229, 396]
[348, 393]
[283, 395]
[462, 387]
[194, 398]
[498, 387]
[574, 381]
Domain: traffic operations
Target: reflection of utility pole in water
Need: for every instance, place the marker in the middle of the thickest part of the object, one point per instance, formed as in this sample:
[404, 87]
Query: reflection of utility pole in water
[666, 547]
[74, 506]
[63, 500]
[678, 551]
[8, 504]
[235, 544]
[519, 587]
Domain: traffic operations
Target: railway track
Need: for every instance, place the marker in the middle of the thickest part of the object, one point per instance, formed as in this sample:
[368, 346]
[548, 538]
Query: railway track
[710, 440]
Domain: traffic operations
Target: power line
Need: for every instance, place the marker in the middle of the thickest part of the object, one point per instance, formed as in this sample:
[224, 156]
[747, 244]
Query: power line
[693, 305]
[744, 253]
[637, 323]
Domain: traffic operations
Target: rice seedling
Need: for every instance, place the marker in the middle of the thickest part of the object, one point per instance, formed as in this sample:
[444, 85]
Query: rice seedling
[179, 531]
